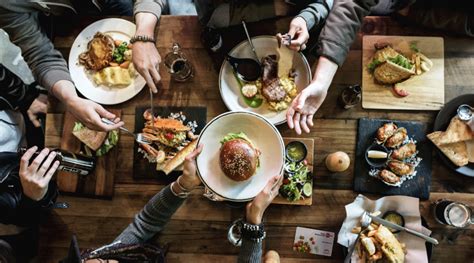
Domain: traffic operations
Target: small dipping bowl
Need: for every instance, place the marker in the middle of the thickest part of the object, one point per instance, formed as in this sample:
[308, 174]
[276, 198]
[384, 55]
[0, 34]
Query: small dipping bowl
[296, 151]
[375, 162]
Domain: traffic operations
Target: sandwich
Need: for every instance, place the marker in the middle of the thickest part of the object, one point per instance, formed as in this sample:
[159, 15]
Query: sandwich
[238, 157]
[167, 131]
[390, 66]
[98, 141]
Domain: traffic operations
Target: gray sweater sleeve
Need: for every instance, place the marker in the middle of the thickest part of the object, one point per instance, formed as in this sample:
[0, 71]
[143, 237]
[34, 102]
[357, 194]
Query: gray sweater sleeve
[46, 63]
[315, 13]
[149, 6]
[250, 251]
[153, 217]
[341, 28]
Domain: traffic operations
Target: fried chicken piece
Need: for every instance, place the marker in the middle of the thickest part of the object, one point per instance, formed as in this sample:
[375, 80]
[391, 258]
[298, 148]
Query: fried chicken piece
[387, 130]
[397, 138]
[404, 152]
[389, 176]
[401, 168]
[99, 52]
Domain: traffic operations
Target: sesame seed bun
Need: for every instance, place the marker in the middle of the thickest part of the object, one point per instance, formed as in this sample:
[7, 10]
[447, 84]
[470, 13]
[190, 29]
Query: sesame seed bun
[238, 159]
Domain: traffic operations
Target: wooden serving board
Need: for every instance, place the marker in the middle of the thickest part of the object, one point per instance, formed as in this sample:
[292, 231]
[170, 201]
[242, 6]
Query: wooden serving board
[100, 183]
[419, 186]
[309, 143]
[426, 90]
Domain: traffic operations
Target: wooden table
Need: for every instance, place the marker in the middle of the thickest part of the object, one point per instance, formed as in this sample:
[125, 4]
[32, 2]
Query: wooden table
[198, 230]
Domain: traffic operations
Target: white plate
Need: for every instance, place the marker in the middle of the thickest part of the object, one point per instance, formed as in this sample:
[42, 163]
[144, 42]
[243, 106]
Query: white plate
[264, 136]
[118, 29]
[264, 45]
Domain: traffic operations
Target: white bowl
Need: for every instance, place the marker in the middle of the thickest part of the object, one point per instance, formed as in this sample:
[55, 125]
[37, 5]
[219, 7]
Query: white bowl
[263, 135]
[264, 45]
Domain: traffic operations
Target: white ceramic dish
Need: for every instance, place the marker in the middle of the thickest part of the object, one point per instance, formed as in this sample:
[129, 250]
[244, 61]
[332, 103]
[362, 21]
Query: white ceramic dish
[264, 45]
[118, 29]
[263, 135]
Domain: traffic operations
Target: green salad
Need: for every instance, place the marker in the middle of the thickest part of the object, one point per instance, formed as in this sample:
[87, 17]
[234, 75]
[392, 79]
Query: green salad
[298, 181]
[401, 61]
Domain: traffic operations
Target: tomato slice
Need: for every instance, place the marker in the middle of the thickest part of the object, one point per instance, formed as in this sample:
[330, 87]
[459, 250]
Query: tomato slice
[399, 91]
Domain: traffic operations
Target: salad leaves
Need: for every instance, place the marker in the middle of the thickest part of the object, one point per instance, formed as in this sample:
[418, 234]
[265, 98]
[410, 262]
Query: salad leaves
[110, 142]
[297, 175]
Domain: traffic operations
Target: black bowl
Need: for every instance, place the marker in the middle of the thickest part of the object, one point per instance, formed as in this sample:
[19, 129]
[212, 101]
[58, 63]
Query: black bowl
[377, 163]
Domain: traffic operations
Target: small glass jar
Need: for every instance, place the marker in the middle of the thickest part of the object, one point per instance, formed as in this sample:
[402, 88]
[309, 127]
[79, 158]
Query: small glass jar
[178, 65]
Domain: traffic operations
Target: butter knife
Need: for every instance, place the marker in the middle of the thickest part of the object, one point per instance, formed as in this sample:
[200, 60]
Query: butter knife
[401, 228]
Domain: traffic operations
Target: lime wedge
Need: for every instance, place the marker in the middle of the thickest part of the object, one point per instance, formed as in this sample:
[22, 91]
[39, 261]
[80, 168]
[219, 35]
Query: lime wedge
[307, 189]
[377, 154]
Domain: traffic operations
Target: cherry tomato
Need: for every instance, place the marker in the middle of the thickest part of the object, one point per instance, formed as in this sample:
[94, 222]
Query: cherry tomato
[400, 92]
[169, 136]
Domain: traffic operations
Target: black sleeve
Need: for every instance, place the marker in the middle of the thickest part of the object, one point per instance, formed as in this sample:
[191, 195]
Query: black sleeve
[14, 93]
[18, 209]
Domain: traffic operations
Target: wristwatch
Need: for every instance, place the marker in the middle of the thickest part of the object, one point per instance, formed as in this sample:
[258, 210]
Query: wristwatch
[253, 232]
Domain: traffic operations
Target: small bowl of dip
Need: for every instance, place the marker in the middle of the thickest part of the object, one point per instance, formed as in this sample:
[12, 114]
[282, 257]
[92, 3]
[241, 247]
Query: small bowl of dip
[296, 151]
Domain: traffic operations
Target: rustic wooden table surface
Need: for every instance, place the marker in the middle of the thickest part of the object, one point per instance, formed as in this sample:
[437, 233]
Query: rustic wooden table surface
[198, 230]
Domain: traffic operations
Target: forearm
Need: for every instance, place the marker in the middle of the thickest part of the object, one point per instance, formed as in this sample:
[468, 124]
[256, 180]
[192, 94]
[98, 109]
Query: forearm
[316, 13]
[324, 73]
[153, 217]
[65, 91]
[146, 23]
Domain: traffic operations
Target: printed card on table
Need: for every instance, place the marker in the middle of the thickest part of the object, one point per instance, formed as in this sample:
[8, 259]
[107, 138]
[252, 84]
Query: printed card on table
[313, 241]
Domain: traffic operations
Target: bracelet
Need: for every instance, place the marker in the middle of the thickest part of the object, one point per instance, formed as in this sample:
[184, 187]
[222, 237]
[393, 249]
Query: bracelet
[142, 38]
[180, 195]
[253, 232]
[181, 186]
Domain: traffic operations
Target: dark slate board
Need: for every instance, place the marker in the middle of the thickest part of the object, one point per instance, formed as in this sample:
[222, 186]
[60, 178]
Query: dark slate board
[419, 186]
[142, 169]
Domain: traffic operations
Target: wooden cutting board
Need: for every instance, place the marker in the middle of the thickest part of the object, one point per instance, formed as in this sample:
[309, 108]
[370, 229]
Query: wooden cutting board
[419, 186]
[309, 143]
[100, 183]
[426, 90]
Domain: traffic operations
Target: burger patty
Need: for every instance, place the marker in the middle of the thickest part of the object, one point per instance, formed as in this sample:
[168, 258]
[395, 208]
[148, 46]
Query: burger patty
[238, 159]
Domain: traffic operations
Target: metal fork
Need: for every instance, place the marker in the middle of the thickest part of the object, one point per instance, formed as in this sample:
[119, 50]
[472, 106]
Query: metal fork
[139, 137]
[365, 221]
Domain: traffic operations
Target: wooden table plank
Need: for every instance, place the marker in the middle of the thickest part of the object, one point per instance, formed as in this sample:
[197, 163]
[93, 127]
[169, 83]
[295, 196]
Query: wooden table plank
[197, 231]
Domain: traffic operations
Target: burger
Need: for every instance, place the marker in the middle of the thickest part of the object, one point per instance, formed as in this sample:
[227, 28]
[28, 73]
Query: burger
[238, 157]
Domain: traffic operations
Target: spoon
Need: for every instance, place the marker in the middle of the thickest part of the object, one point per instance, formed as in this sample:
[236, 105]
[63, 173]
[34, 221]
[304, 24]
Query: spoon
[465, 112]
[247, 69]
[250, 41]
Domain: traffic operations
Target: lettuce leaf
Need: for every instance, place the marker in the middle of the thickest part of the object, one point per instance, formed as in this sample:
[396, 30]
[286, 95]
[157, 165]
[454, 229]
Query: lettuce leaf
[231, 136]
[110, 142]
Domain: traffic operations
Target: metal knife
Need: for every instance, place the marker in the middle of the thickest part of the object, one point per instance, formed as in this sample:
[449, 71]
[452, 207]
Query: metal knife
[401, 228]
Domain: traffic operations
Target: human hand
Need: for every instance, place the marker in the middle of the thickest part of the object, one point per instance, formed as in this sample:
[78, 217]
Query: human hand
[259, 204]
[39, 106]
[189, 179]
[35, 178]
[146, 60]
[90, 114]
[301, 112]
[299, 34]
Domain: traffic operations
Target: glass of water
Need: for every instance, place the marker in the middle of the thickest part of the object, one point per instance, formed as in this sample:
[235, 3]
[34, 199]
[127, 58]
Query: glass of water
[178, 66]
[452, 213]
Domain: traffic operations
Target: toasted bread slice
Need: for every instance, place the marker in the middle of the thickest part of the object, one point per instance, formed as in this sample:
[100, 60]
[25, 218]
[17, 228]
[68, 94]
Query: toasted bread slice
[178, 159]
[456, 152]
[93, 139]
[391, 247]
[470, 150]
[457, 131]
[391, 73]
